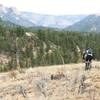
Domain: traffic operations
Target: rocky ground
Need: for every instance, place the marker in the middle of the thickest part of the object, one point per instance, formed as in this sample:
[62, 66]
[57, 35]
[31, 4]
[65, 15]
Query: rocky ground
[58, 82]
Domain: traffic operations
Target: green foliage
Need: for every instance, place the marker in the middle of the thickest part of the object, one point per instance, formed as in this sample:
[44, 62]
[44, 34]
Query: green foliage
[45, 46]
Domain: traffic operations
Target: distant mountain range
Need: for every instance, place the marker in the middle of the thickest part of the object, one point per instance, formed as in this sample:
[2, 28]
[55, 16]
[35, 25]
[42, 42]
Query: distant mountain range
[89, 24]
[52, 20]
[29, 19]
[83, 23]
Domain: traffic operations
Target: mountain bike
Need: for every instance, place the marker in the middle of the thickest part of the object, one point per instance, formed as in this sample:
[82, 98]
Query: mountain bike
[88, 65]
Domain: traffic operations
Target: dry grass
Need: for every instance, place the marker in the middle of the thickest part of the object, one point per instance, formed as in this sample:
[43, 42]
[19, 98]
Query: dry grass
[61, 82]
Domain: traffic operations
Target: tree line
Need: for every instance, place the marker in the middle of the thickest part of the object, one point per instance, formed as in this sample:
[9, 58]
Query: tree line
[45, 46]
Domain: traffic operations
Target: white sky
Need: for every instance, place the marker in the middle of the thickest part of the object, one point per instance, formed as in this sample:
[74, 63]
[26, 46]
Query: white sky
[55, 7]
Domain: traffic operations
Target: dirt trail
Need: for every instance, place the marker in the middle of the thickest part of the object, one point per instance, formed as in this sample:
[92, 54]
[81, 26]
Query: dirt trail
[58, 82]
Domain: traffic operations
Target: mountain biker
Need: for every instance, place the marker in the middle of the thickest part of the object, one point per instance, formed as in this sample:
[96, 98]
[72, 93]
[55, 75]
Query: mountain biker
[88, 56]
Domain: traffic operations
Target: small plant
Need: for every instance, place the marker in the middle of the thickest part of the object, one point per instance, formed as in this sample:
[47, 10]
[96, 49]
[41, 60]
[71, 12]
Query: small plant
[13, 74]
[57, 76]
[82, 84]
[41, 85]
[20, 89]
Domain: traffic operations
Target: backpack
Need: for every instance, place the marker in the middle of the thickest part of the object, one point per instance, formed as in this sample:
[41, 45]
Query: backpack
[86, 53]
[89, 52]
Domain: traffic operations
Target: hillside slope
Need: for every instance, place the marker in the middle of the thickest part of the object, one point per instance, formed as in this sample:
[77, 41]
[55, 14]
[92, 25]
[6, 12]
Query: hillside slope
[59, 82]
[89, 24]
[6, 24]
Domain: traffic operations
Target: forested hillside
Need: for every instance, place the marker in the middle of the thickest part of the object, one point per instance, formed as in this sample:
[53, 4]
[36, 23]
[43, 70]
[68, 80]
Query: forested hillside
[43, 46]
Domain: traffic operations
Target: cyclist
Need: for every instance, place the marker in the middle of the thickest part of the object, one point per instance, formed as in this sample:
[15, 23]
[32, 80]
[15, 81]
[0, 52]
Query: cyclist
[88, 56]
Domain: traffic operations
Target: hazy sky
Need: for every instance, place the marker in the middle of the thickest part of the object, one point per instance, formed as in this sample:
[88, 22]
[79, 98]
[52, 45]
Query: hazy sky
[55, 7]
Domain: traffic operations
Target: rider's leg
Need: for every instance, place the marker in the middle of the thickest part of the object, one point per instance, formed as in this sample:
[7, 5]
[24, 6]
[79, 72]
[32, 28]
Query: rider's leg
[86, 65]
[90, 66]
[90, 60]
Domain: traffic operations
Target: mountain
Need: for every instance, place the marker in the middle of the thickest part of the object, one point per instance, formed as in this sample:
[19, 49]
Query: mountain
[52, 20]
[14, 16]
[89, 24]
[29, 19]
[6, 24]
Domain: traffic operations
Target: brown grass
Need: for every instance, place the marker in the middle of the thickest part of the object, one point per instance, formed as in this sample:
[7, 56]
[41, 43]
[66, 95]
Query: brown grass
[68, 82]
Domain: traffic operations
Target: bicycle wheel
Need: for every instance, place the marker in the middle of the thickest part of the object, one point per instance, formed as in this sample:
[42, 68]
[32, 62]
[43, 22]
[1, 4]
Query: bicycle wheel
[86, 65]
